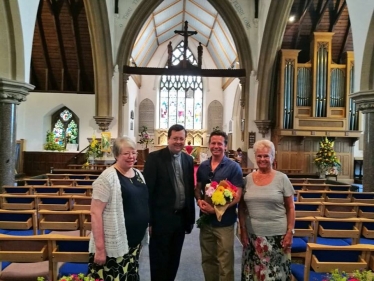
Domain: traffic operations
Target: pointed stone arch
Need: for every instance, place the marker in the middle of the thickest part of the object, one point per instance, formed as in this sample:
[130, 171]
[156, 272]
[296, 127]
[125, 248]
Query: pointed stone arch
[147, 115]
[98, 23]
[367, 69]
[215, 115]
[273, 34]
[226, 11]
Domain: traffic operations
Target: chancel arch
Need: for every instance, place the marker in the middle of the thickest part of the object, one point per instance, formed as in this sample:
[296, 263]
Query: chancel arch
[224, 8]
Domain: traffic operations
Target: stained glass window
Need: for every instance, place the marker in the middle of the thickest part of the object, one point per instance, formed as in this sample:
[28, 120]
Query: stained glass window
[65, 126]
[181, 97]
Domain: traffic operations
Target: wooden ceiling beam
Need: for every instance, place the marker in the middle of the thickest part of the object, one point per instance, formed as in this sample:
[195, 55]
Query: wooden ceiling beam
[300, 21]
[50, 79]
[75, 7]
[320, 16]
[33, 76]
[337, 15]
[345, 39]
[56, 6]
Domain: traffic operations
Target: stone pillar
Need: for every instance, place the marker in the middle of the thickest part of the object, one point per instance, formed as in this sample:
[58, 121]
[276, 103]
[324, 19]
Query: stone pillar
[365, 103]
[12, 93]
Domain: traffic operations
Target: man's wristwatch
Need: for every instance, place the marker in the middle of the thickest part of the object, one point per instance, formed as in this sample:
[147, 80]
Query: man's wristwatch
[291, 230]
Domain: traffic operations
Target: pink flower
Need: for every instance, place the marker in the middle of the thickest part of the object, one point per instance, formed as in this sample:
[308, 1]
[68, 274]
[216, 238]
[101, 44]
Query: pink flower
[209, 191]
[214, 184]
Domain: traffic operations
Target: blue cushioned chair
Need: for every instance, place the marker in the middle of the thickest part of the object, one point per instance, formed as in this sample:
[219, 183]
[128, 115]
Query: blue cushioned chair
[304, 232]
[74, 252]
[321, 260]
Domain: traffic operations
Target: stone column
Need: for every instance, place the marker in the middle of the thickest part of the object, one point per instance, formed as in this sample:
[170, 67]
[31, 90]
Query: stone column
[365, 103]
[12, 93]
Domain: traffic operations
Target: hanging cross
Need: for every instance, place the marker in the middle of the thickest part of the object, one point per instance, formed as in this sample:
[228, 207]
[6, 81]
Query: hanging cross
[185, 33]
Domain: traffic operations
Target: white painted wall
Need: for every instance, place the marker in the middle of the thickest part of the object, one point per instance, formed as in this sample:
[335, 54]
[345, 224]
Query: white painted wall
[34, 117]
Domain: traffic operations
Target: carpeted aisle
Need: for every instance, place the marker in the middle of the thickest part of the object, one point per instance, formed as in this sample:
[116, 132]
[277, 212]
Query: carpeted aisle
[190, 265]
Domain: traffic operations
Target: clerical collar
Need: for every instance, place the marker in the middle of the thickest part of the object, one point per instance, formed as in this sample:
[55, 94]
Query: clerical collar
[175, 154]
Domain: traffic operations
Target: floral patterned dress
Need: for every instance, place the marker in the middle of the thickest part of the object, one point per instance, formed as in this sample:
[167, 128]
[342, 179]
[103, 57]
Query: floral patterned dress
[265, 260]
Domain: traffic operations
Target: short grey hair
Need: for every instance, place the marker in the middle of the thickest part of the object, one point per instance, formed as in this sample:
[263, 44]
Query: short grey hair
[265, 144]
[121, 143]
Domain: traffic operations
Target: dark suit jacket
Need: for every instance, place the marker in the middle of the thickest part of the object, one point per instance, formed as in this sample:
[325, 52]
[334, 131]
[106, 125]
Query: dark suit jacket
[159, 176]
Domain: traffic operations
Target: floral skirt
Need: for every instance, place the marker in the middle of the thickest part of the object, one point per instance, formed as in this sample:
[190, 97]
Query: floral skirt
[124, 268]
[265, 260]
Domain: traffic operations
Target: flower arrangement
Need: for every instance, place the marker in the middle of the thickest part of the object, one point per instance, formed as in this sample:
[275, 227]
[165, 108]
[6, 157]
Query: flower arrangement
[220, 195]
[357, 275]
[326, 156]
[73, 277]
[51, 144]
[94, 149]
[144, 137]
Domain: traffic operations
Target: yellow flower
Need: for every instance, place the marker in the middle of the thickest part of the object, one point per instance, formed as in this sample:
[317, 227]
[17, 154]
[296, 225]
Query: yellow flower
[218, 198]
[220, 188]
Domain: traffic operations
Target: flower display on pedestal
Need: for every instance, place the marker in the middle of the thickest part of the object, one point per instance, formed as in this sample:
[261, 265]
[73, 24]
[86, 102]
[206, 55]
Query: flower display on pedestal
[94, 150]
[326, 159]
[144, 137]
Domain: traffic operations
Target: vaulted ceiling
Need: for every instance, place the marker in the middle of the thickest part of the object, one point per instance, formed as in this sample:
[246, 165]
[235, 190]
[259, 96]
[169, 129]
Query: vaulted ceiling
[319, 16]
[62, 55]
[170, 15]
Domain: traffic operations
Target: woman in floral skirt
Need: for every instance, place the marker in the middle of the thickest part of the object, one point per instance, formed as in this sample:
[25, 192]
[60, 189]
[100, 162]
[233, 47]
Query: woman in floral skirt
[267, 218]
[120, 216]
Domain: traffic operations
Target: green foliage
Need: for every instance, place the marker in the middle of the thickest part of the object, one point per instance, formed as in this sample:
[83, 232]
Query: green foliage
[326, 156]
[357, 275]
[94, 150]
[144, 137]
[51, 144]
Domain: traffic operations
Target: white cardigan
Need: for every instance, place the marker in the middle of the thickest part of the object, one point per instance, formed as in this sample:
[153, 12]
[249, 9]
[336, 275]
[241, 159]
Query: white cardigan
[107, 188]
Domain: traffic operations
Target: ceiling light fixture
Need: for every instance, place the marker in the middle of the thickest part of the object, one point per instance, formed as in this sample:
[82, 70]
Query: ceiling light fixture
[291, 19]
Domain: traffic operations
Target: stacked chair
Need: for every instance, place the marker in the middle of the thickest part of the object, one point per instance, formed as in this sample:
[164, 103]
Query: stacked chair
[44, 228]
[334, 229]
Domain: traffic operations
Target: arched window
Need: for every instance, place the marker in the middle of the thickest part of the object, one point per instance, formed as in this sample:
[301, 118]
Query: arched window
[181, 97]
[65, 126]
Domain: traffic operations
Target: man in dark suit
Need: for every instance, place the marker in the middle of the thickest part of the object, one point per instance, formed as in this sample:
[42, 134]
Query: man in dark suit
[169, 174]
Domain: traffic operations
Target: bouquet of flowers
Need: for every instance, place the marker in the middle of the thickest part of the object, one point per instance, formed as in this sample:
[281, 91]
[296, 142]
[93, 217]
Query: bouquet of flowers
[94, 149]
[144, 137]
[219, 195]
[326, 157]
[357, 275]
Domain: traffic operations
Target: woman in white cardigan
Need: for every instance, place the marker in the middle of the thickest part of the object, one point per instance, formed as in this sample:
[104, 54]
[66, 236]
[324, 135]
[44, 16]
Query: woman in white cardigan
[120, 216]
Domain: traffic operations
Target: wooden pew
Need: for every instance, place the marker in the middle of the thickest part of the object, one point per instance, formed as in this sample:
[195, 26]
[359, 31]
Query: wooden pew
[36, 181]
[59, 220]
[309, 209]
[68, 250]
[19, 220]
[55, 202]
[18, 202]
[348, 229]
[338, 210]
[19, 190]
[42, 253]
[322, 259]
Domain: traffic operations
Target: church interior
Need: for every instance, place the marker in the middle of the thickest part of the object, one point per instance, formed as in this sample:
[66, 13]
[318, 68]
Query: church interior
[79, 72]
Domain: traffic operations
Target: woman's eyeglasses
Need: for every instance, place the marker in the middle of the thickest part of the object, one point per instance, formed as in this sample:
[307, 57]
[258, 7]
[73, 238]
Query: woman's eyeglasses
[130, 154]
[210, 175]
